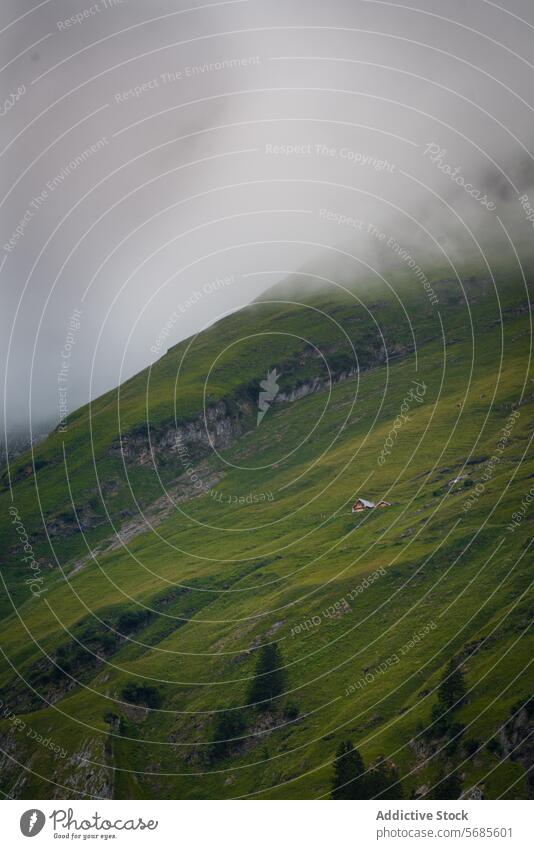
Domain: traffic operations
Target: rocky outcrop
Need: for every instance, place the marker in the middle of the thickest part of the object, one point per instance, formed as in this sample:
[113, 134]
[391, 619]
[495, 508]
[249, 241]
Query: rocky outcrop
[517, 739]
[88, 772]
[309, 387]
[178, 492]
[217, 428]
[67, 524]
[20, 473]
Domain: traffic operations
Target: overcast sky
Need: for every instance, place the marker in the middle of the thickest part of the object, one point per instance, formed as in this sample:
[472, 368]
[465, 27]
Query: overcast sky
[150, 149]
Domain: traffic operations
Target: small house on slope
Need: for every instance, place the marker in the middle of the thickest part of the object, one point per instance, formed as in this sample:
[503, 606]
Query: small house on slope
[362, 504]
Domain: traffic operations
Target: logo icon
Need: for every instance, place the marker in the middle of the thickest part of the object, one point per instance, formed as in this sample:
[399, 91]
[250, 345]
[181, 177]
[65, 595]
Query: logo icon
[270, 391]
[32, 822]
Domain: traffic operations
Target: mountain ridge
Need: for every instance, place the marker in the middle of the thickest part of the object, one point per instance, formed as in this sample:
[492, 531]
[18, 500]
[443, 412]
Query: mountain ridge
[183, 606]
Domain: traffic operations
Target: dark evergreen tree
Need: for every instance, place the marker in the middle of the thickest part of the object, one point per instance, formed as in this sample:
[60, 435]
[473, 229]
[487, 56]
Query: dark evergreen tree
[452, 689]
[449, 787]
[348, 781]
[269, 678]
[228, 725]
[383, 781]
[440, 720]
[141, 694]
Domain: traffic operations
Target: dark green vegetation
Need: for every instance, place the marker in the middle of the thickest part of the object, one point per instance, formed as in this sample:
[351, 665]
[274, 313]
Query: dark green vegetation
[350, 780]
[227, 648]
[269, 679]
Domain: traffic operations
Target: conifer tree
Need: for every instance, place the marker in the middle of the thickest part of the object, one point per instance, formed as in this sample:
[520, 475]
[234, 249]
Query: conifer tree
[452, 689]
[348, 780]
[269, 678]
[449, 788]
[228, 726]
[383, 781]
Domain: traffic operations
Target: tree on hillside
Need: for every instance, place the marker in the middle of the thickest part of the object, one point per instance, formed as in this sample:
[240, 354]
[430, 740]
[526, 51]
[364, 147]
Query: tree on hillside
[440, 721]
[449, 787]
[383, 781]
[269, 678]
[229, 725]
[138, 693]
[348, 781]
[452, 689]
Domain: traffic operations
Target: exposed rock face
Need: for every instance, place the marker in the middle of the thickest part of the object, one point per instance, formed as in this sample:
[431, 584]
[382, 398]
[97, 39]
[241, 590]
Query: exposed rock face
[517, 740]
[317, 384]
[424, 749]
[74, 774]
[67, 524]
[216, 428]
[14, 778]
[474, 793]
[86, 772]
[301, 391]
[176, 493]
[20, 473]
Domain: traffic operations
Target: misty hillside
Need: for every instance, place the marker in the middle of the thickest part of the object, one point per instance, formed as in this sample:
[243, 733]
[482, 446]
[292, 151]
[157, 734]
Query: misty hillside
[164, 534]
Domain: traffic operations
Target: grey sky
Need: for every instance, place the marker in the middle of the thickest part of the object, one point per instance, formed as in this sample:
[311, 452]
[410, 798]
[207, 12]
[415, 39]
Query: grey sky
[148, 151]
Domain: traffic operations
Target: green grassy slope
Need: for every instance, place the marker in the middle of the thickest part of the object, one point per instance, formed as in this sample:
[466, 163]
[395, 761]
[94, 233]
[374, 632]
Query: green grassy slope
[267, 550]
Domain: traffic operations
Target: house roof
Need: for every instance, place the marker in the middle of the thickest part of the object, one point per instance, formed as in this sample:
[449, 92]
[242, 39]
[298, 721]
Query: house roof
[365, 502]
